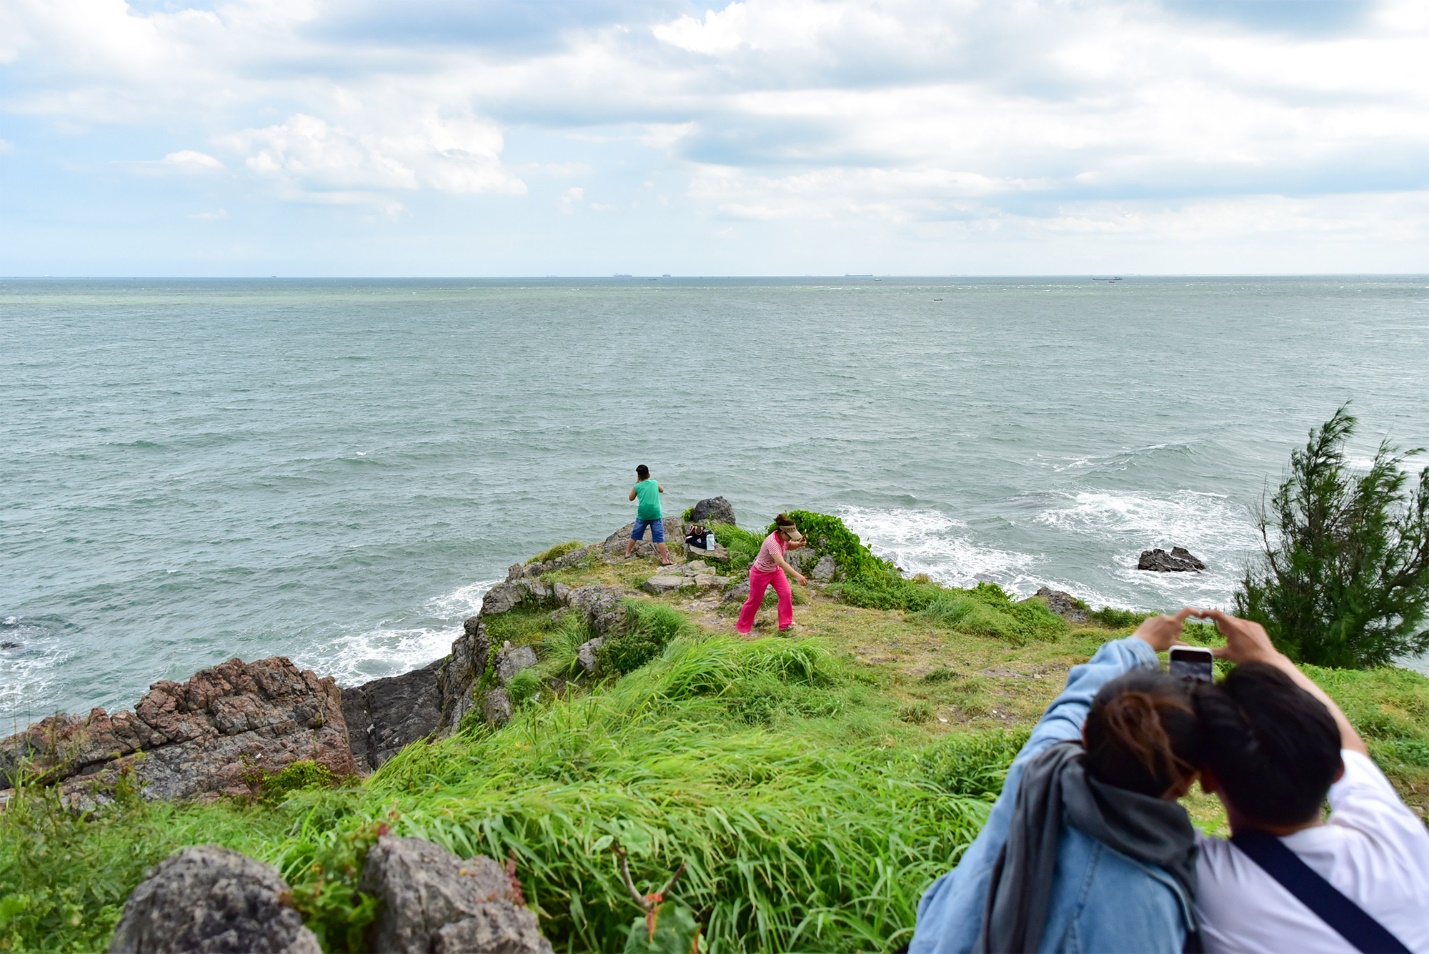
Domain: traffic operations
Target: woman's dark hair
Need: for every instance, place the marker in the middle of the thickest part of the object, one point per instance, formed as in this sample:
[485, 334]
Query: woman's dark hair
[642, 472]
[784, 520]
[1274, 748]
[1142, 734]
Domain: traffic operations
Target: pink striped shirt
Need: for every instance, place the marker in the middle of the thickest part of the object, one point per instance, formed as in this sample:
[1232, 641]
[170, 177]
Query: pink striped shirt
[774, 543]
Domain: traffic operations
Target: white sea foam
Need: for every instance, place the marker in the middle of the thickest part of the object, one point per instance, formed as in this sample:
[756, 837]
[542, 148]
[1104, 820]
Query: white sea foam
[388, 650]
[925, 541]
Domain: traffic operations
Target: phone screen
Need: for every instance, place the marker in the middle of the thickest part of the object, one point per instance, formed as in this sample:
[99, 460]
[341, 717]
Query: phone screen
[1192, 667]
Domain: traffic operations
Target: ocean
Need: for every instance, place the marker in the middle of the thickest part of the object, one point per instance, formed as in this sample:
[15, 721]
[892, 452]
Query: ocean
[336, 470]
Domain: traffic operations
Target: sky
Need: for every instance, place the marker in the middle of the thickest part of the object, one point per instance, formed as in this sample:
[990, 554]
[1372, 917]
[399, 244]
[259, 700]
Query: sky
[757, 137]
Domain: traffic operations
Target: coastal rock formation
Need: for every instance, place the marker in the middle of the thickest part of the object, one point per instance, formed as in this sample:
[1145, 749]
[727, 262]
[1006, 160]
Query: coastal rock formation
[461, 669]
[205, 737]
[674, 539]
[1062, 603]
[824, 570]
[713, 510]
[386, 715]
[511, 660]
[1179, 560]
[664, 584]
[212, 899]
[737, 593]
[496, 707]
[431, 900]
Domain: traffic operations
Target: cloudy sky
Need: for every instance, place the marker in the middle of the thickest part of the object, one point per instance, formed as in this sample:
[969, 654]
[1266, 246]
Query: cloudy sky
[759, 137]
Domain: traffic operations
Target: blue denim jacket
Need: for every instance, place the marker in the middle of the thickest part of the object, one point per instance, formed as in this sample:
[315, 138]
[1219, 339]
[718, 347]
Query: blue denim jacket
[1101, 899]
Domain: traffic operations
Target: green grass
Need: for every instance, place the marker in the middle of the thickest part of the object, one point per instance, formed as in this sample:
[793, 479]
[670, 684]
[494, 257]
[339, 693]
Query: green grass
[557, 551]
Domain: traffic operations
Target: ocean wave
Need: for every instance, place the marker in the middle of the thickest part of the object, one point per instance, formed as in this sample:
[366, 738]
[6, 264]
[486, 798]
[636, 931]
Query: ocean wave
[29, 667]
[1121, 460]
[388, 650]
[1186, 518]
[926, 541]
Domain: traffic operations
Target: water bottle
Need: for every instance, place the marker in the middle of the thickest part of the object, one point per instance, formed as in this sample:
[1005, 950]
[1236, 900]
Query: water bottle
[709, 540]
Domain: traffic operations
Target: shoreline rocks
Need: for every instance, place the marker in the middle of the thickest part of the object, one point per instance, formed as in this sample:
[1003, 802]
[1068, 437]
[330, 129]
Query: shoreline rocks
[713, 510]
[199, 739]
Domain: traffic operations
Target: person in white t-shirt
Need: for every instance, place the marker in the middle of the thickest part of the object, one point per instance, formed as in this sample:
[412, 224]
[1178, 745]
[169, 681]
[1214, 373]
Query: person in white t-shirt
[1276, 747]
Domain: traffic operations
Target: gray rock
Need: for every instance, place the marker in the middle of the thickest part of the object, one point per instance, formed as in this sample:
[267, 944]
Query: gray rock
[212, 899]
[664, 585]
[461, 670]
[496, 707]
[695, 566]
[1062, 603]
[713, 510]
[385, 715]
[501, 598]
[1179, 560]
[674, 539]
[708, 581]
[536, 591]
[802, 559]
[719, 553]
[498, 927]
[824, 570]
[737, 594]
[426, 895]
[561, 593]
[588, 655]
[210, 736]
[512, 659]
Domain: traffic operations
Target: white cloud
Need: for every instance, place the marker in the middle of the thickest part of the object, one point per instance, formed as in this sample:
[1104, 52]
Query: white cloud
[571, 198]
[455, 155]
[214, 216]
[187, 160]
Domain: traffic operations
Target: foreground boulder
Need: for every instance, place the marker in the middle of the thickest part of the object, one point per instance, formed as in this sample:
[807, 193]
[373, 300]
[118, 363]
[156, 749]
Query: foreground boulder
[431, 900]
[212, 899]
[386, 715]
[210, 736]
[1179, 560]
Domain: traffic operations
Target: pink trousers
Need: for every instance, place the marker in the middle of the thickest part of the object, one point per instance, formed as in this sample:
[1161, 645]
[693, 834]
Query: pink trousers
[758, 583]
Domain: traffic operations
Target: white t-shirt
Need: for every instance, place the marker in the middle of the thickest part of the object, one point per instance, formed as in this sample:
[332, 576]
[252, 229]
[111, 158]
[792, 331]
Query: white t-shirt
[1373, 849]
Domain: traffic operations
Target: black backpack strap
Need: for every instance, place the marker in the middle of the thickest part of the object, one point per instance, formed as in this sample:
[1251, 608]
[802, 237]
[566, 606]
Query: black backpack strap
[1363, 932]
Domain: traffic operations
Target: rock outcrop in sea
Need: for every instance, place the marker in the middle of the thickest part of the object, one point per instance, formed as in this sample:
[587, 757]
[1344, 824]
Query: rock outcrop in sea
[1179, 560]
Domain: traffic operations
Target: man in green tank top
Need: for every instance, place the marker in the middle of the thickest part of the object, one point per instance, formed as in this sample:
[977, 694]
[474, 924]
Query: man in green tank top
[648, 514]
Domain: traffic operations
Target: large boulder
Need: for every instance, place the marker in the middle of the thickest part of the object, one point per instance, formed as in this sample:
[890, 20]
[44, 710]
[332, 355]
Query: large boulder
[1179, 560]
[674, 539]
[385, 715]
[431, 900]
[825, 569]
[212, 899]
[664, 584]
[712, 510]
[206, 737]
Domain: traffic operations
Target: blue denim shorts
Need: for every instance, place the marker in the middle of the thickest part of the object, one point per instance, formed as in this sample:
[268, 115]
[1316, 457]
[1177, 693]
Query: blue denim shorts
[657, 529]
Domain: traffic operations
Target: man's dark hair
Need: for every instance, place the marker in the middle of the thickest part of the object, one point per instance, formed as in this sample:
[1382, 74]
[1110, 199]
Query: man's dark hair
[642, 472]
[1274, 748]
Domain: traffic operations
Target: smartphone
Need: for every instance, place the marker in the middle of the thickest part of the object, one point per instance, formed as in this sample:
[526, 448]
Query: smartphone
[1192, 663]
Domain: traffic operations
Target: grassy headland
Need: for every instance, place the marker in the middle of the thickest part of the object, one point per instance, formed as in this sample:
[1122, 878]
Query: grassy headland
[813, 785]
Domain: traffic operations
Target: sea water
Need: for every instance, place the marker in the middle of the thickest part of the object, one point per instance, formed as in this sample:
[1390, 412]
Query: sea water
[336, 470]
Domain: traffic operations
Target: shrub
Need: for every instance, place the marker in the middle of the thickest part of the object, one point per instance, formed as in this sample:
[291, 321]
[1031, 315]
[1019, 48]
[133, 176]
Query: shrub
[1344, 579]
[1113, 618]
[988, 611]
[524, 686]
[295, 778]
[649, 628]
[743, 546]
[557, 551]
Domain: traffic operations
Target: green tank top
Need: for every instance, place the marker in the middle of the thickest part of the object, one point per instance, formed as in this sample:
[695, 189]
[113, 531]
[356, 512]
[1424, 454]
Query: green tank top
[647, 492]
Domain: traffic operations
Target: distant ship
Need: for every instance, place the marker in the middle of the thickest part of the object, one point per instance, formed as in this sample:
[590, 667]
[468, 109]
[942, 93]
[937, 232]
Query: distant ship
[619, 275]
[1096, 279]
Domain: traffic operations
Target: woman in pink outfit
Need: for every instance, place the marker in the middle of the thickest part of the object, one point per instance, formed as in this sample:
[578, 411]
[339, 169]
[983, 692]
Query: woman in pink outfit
[770, 567]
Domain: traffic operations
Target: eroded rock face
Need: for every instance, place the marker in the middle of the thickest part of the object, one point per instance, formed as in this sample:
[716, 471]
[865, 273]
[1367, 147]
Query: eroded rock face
[714, 509]
[385, 715]
[511, 660]
[204, 737]
[496, 707]
[1179, 560]
[431, 900]
[212, 899]
[460, 671]
[664, 584]
[825, 569]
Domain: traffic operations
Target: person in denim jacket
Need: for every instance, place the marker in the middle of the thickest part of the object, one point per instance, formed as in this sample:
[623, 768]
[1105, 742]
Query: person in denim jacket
[1111, 759]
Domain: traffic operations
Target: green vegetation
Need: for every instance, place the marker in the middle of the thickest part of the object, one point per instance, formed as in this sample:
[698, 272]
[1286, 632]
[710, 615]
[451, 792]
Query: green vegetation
[1345, 576]
[812, 787]
[557, 551]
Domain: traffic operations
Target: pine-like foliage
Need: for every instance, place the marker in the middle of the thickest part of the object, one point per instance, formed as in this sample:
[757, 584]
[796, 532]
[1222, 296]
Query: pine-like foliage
[1344, 580]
